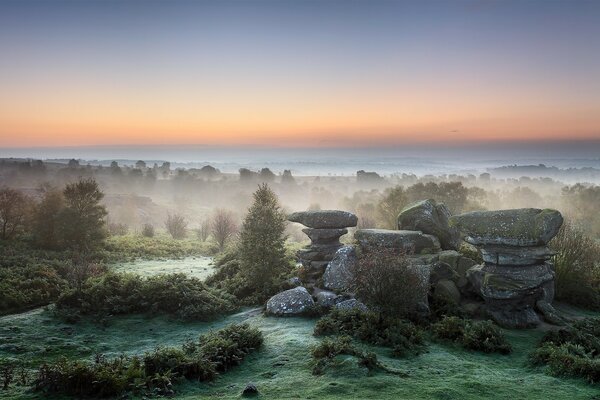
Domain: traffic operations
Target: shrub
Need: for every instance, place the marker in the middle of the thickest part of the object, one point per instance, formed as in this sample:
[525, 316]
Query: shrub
[487, 337]
[576, 267]
[148, 230]
[117, 229]
[572, 351]
[176, 226]
[173, 294]
[386, 282]
[369, 327]
[449, 328]
[222, 227]
[156, 371]
[14, 208]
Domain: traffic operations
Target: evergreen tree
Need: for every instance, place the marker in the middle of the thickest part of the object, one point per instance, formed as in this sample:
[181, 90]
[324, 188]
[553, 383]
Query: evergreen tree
[262, 242]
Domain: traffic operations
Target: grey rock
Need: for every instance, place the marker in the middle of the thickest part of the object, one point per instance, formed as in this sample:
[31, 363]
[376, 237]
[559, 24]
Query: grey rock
[447, 290]
[511, 282]
[549, 313]
[295, 281]
[317, 252]
[338, 274]
[431, 218]
[290, 302]
[351, 304]
[324, 219]
[250, 390]
[326, 298]
[324, 236]
[504, 255]
[449, 257]
[517, 227]
[412, 242]
[442, 271]
[514, 317]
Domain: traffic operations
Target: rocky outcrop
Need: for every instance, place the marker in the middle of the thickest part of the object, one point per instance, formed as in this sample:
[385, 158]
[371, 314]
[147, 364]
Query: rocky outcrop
[324, 228]
[409, 242]
[338, 274]
[430, 218]
[516, 273]
[351, 304]
[296, 301]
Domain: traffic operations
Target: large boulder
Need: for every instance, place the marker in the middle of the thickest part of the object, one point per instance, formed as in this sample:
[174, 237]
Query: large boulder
[324, 236]
[351, 304]
[518, 227]
[324, 219]
[411, 242]
[338, 274]
[431, 218]
[296, 301]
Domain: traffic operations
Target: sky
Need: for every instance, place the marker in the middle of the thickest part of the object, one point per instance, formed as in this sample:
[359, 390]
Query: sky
[298, 73]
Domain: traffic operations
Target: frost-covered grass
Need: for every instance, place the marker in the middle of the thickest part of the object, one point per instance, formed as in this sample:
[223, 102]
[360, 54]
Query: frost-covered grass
[197, 267]
[282, 368]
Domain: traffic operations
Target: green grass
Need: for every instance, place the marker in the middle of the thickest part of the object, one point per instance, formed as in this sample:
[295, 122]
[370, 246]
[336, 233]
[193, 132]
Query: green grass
[282, 368]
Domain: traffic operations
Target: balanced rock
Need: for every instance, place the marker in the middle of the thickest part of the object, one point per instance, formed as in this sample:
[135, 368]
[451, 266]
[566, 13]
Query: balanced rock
[517, 227]
[516, 273]
[290, 302]
[410, 242]
[324, 219]
[325, 227]
[431, 218]
[338, 274]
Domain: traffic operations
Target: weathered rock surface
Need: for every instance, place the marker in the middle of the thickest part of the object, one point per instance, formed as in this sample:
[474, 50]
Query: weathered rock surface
[446, 290]
[326, 298]
[296, 301]
[351, 304]
[410, 242]
[515, 275]
[517, 227]
[338, 274]
[430, 218]
[324, 219]
[320, 236]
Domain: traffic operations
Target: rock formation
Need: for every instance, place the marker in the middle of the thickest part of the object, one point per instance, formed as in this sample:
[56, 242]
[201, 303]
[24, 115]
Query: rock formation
[431, 218]
[516, 277]
[296, 301]
[324, 228]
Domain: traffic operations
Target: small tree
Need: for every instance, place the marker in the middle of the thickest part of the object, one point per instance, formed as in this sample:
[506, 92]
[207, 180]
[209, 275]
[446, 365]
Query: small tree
[386, 282]
[223, 227]
[176, 226]
[13, 212]
[262, 241]
[391, 204]
[148, 230]
[46, 219]
[204, 230]
[82, 220]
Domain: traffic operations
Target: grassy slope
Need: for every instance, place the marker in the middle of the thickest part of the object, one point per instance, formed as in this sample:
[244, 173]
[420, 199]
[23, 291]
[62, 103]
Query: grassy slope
[282, 370]
[197, 267]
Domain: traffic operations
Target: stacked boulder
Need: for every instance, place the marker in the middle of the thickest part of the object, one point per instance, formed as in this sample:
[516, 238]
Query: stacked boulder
[324, 228]
[516, 278]
[430, 218]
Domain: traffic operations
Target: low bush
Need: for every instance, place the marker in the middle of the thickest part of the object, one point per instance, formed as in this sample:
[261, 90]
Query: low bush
[369, 327]
[148, 230]
[325, 352]
[573, 351]
[156, 371]
[174, 294]
[131, 247]
[577, 267]
[484, 336]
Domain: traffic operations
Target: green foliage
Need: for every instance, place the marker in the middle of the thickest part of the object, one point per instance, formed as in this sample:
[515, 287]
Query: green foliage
[148, 230]
[487, 337]
[45, 219]
[81, 221]
[482, 336]
[131, 247]
[262, 254]
[154, 373]
[173, 294]
[14, 208]
[325, 352]
[386, 282]
[577, 267]
[572, 351]
[402, 336]
[582, 204]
